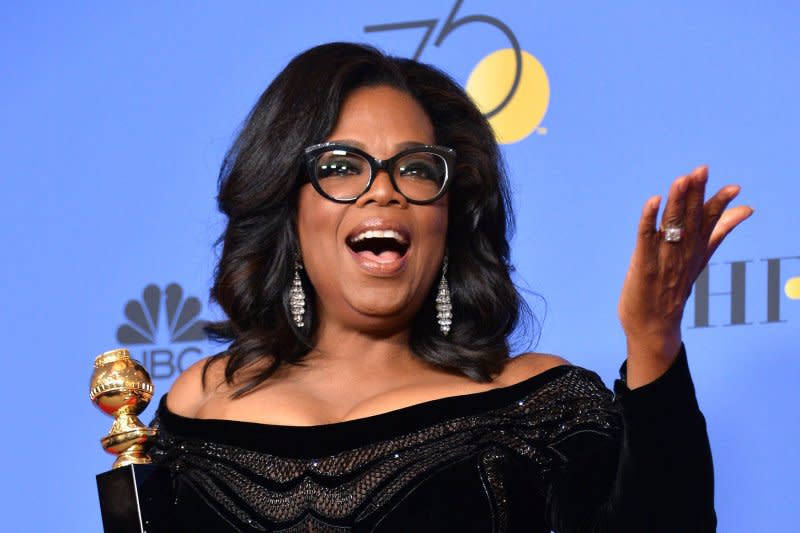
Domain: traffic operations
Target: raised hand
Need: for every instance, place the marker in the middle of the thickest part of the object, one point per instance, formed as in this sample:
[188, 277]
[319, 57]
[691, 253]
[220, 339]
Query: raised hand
[665, 264]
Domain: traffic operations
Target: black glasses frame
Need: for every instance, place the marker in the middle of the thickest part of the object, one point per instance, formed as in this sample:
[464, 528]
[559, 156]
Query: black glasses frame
[376, 165]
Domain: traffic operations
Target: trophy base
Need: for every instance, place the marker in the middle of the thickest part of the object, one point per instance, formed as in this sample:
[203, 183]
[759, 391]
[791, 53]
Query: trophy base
[132, 499]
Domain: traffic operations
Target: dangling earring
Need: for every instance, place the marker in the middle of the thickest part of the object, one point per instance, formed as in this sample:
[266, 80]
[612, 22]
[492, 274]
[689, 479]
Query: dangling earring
[297, 298]
[444, 308]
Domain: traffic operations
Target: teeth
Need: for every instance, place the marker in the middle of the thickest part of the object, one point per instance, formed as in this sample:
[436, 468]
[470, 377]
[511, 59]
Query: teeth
[379, 234]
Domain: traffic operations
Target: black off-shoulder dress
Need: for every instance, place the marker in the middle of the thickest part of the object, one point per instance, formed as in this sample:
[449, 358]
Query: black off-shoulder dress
[557, 452]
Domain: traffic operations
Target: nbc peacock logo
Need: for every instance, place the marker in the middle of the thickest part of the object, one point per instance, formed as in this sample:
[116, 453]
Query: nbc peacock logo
[163, 329]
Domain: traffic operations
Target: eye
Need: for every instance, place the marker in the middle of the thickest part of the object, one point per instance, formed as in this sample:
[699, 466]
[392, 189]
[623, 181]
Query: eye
[422, 166]
[339, 164]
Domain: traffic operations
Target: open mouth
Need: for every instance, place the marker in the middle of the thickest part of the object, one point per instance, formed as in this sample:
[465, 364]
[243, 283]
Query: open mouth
[381, 246]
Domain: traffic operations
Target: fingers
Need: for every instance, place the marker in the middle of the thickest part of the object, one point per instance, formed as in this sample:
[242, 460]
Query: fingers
[676, 203]
[727, 222]
[674, 254]
[717, 222]
[647, 223]
[715, 206]
[695, 195]
[648, 236]
[705, 225]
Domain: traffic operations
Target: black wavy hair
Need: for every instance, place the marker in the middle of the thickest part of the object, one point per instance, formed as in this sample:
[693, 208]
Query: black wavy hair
[258, 186]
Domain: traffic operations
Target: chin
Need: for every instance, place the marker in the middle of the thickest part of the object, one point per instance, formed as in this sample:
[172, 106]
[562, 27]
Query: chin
[385, 306]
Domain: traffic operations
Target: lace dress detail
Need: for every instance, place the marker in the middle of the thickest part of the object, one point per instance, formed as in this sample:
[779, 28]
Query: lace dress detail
[373, 474]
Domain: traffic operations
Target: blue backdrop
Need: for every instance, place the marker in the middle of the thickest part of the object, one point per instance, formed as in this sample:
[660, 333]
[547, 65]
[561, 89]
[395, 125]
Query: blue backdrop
[115, 119]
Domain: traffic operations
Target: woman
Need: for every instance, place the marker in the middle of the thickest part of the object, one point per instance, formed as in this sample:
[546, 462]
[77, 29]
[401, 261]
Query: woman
[368, 384]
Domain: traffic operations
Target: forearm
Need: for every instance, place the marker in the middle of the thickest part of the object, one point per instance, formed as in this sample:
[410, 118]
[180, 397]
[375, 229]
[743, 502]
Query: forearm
[650, 357]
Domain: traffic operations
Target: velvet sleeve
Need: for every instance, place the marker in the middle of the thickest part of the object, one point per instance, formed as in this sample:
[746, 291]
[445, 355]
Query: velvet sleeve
[653, 475]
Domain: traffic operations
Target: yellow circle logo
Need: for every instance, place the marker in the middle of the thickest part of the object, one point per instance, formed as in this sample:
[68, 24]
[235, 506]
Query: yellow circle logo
[489, 84]
[792, 288]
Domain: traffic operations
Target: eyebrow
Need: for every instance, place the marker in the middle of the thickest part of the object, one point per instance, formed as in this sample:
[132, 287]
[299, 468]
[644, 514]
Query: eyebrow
[399, 146]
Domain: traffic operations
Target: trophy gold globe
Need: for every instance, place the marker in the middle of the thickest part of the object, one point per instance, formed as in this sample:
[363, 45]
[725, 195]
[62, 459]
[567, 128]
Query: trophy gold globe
[122, 388]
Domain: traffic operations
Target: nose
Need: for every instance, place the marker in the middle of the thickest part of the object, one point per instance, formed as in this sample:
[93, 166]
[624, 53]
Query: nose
[382, 192]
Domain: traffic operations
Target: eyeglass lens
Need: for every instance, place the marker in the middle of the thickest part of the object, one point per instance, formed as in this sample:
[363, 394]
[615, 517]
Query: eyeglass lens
[345, 175]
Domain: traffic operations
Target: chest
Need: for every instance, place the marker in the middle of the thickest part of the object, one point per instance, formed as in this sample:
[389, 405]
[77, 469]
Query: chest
[302, 405]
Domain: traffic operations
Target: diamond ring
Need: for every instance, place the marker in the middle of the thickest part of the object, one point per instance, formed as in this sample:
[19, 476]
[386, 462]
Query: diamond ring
[672, 233]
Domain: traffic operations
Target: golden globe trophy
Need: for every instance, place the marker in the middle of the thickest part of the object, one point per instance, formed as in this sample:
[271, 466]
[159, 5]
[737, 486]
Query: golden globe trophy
[121, 388]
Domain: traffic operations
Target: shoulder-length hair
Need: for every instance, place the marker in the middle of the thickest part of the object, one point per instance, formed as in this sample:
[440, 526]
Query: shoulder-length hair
[258, 186]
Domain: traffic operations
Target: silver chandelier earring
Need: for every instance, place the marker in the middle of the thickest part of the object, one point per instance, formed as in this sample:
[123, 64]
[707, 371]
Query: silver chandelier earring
[444, 307]
[297, 298]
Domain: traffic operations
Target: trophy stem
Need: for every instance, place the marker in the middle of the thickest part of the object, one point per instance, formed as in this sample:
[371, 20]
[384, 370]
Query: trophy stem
[125, 422]
[134, 455]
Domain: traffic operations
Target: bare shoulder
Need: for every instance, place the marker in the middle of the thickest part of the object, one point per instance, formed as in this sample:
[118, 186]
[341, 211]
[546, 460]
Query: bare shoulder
[527, 365]
[188, 392]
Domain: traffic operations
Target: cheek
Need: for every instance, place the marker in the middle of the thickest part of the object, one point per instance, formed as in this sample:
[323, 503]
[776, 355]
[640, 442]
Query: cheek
[436, 224]
[317, 222]
[433, 244]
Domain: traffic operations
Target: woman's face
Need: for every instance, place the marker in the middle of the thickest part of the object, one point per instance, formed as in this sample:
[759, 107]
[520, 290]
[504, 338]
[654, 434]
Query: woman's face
[373, 262]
